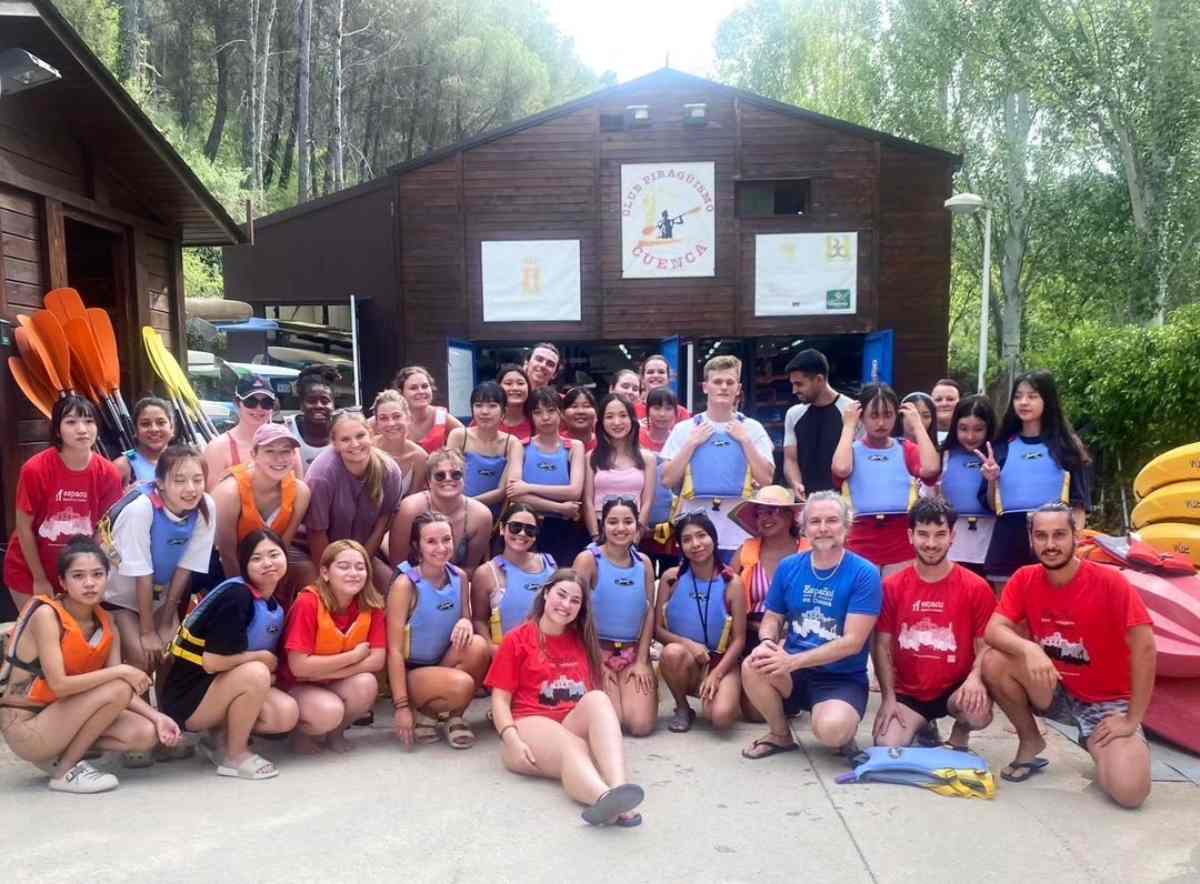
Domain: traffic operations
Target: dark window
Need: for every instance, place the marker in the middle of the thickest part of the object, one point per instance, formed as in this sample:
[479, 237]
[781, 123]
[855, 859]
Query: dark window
[612, 122]
[765, 199]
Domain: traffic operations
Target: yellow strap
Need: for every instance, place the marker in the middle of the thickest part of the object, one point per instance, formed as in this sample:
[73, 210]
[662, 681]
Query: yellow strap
[186, 655]
[494, 622]
[726, 632]
[186, 635]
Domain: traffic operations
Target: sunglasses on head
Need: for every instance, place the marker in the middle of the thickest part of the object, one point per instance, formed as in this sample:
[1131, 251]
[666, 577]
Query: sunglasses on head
[525, 528]
[448, 476]
[619, 500]
[258, 402]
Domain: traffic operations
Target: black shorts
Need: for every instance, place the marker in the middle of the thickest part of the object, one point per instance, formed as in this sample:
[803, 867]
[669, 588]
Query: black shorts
[930, 710]
[810, 688]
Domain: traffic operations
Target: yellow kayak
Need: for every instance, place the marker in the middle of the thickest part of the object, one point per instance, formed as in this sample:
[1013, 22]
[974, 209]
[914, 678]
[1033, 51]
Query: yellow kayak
[1174, 537]
[1180, 464]
[1177, 502]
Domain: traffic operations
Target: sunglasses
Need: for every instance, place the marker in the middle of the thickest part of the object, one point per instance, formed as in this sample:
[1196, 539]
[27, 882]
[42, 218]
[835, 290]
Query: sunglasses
[448, 476]
[518, 528]
[259, 402]
[618, 500]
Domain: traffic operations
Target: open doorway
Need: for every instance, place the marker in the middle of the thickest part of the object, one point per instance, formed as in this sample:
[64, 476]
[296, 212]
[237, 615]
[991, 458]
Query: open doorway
[98, 268]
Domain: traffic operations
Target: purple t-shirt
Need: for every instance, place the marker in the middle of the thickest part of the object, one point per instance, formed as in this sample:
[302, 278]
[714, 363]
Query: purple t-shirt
[340, 505]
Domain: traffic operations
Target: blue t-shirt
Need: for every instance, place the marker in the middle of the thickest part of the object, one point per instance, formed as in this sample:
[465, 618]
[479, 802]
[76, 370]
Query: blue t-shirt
[814, 610]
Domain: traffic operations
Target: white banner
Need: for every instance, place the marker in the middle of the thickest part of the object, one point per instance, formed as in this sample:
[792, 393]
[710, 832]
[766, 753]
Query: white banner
[668, 220]
[802, 274]
[531, 281]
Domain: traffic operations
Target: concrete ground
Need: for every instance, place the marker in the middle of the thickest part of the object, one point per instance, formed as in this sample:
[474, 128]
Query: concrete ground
[441, 815]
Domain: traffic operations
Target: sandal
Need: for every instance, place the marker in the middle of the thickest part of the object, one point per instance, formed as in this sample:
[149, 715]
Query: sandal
[767, 748]
[1020, 771]
[425, 729]
[628, 820]
[253, 767]
[614, 803]
[458, 734]
[681, 721]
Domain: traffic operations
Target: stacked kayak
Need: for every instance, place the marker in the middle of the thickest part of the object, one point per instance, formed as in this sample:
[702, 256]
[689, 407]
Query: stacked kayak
[1167, 515]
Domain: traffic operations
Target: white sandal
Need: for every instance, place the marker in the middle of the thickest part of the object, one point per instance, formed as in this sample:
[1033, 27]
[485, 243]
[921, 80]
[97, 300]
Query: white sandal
[83, 779]
[253, 767]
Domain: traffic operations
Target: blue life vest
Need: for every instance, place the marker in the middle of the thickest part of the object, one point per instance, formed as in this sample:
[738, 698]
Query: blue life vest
[483, 472]
[434, 615]
[168, 537]
[699, 613]
[1029, 478]
[266, 625]
[546, 469]
[719, 467]
[660, 507]
[262, 632]
[947, 772]
[140, 468]
[962, 482]
[520, 587]
[880, 483]
[619, 599]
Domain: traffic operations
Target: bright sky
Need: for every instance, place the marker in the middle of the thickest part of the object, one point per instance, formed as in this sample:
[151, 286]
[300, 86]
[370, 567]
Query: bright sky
[633, 37]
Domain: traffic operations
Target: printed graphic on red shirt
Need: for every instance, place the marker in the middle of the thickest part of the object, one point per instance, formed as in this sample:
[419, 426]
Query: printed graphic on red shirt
[561, 690]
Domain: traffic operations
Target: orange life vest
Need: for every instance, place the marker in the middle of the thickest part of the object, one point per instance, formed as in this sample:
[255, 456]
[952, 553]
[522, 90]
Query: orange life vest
[749, 554]
[79, 656]
[250, 519]
[331, 640]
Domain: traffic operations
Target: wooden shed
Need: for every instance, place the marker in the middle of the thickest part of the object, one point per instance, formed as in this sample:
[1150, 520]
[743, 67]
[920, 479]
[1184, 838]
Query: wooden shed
[94, 197]
[417, 243]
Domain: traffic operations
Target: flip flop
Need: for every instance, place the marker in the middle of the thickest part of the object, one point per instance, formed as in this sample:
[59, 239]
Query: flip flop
[613, 803]
[772, 749]
[628, 822]
[1031, 768]
[681, 721]
[253, 767]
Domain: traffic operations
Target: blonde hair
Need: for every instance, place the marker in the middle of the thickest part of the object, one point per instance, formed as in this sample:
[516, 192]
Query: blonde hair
[376, 467]
[444, 454]
[390, 396]
[370, 597]
[722, 363]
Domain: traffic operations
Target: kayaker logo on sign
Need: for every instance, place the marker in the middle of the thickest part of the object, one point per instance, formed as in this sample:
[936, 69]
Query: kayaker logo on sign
[668, 220]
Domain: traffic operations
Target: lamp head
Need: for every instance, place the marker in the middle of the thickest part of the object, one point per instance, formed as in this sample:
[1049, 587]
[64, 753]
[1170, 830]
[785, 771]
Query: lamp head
[21, 70]
[965, 203]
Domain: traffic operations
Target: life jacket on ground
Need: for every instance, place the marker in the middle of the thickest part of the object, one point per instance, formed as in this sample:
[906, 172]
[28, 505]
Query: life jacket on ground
[718, 468]
[701, 615]
[432, 618]
[262, 632]
[619, 599]
[961, 482]
[250, 519]
[880, 483]
[78, 654]
[947, 772]
[515, 590]
[1030, 478]
[331, 640]
[168, 537]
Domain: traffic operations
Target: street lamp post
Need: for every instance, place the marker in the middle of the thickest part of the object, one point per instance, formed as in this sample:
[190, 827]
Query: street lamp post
[969, 204]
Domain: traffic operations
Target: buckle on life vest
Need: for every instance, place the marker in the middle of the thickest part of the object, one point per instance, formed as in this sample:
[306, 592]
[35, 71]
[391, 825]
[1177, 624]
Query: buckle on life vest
[716, 504]
[879, 517]
[972, 523]
[158, 591]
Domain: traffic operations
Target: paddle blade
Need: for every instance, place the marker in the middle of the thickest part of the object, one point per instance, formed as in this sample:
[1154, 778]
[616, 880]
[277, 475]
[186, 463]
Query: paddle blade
[33, 363]
[41, 355]
[83, 345]
[41, 398]
[106, 343]
[64, 303]
[51, 332]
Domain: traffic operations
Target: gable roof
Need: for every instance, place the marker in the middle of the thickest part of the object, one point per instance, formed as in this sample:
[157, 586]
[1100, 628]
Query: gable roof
[671, 77]
[106, 116]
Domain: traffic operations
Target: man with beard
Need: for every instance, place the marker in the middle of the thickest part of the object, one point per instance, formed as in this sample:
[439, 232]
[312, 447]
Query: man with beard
[542, 365]
[1071, 641]
[827, 600]
[812, 428]
[928, 646]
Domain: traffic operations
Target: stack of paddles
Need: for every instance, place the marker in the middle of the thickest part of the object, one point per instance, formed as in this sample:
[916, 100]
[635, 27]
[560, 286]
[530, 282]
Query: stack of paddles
[70, 348]
[194, 425]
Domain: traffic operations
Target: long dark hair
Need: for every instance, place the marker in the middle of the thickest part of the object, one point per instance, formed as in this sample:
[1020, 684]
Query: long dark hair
[583, 623]
[703, 521]
[605, 451]
[429, 517]
[972, 406]
[1057, 432]
[512, 368]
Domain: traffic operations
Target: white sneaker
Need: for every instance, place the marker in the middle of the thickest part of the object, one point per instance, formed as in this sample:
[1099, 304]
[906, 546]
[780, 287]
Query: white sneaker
[83, 779]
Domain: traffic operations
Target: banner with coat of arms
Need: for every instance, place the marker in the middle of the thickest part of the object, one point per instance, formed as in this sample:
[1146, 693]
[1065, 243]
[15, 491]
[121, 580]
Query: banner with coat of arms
[805, 274]
[668, 220]
[531, 281]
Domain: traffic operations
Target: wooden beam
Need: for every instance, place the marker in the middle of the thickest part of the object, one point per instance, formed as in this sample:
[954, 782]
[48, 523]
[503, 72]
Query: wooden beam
[55, 237]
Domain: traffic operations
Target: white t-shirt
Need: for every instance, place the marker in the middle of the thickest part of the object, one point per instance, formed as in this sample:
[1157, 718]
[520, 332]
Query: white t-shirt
[308, 453]
[131, 537]
[729, 535]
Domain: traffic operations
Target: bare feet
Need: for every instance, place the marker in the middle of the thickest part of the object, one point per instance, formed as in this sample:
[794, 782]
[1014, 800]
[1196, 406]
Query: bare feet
[303, 744]
[335, 741]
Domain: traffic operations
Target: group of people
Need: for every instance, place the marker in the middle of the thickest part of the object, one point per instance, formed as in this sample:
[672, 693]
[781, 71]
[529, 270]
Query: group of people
[550, 552]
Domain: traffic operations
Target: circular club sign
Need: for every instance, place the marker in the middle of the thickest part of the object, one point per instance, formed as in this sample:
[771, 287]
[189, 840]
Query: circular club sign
[668, 220]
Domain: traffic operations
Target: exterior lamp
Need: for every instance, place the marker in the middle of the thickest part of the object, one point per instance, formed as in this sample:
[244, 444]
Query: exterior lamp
[21, 70]
[969, 204]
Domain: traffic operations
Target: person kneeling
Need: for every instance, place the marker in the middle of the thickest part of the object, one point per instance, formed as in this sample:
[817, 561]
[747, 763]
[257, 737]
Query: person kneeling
[333, 646]
[703, 630]
[552, 720]
[67, 689]
[929, 647]
[828, 600]
[435, 660]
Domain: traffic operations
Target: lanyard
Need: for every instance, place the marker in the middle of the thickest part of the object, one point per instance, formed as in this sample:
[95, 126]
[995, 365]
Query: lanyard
[702, 610]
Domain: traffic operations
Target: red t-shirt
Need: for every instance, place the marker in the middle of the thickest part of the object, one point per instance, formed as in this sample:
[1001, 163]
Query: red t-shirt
[300, 633]
[547, 683]
[523, 431]
[642, 412]
[1081, 626]
[588, 448]
[884, 541]
[63, 503]
[648, 443]
[933, 628]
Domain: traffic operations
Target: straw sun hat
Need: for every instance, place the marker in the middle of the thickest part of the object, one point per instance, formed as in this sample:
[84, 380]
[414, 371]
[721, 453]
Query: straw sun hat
[745, 514]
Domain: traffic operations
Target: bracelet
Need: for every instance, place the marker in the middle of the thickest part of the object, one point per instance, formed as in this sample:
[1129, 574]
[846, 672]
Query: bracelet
[506, 727]
[400, 702]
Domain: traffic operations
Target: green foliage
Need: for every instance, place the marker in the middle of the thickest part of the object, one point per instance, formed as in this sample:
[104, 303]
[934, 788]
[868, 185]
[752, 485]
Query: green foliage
[97, 22]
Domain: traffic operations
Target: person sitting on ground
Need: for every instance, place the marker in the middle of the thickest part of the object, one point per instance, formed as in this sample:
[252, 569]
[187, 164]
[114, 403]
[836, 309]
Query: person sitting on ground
[470, 520]
[503, 589]
[311, 425]
[334, 643]
[812, 427]
[622, 582]
[702, 630]
[945, 395]
[1072, 641]
[256, 403]
[224, 659]
[65, 689]
[551, 719]
[265, 493]
[826, 601]
[153, 429]
[928, 647]
[435, 661]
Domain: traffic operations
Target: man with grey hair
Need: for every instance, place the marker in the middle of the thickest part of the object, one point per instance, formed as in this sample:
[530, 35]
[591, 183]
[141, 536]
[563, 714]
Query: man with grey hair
[820, 611]
[1072, 642]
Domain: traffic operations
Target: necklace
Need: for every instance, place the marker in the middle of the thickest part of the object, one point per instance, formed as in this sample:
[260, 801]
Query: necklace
[826, 577]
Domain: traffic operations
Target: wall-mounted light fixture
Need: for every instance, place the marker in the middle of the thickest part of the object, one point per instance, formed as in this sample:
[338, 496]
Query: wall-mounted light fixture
[21, 70]
[695, 114]
[637, 116]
